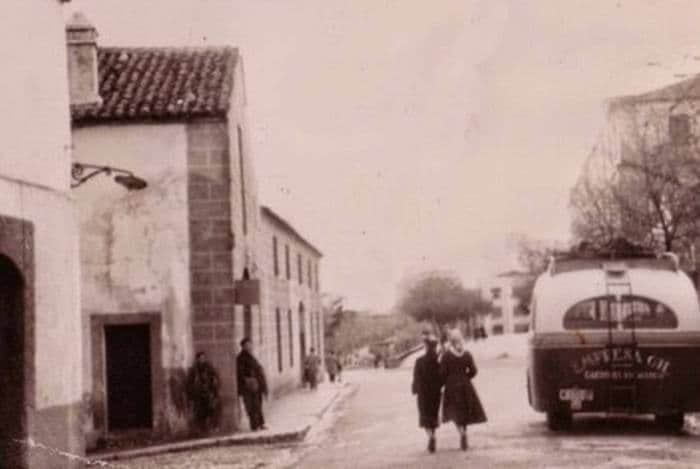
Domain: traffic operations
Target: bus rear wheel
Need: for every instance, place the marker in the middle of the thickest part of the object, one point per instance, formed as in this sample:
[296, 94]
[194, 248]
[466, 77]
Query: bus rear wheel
[671, 422]
[559, 420]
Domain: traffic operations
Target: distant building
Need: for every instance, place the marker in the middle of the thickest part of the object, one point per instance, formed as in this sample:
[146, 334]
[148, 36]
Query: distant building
[508, 315]
[291, 320]
[161, 266]
[638, 129]
[40, 384]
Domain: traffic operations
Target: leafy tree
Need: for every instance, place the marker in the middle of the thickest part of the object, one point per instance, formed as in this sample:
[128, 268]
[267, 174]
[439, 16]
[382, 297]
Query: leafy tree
[440, 298]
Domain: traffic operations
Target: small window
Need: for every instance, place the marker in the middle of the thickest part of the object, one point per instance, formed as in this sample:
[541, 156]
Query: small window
[291, 338]
[308, 272]
[497, 329]
[319, 330]
[318, 287]
[287, 264]
[679, 128]
[300, 268]
[278, 324]
[495, 293]
[497, 312]
[632, 312]
[275, 257]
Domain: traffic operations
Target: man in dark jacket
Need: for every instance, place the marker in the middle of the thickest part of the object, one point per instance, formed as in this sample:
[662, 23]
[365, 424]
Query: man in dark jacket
[427, 384]
[252, 385]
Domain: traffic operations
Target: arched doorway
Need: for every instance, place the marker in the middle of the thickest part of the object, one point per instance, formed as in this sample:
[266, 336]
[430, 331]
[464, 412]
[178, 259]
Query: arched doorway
[12, 387]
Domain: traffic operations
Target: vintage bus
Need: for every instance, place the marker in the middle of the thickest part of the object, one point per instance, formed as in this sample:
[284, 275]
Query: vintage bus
[614, 336]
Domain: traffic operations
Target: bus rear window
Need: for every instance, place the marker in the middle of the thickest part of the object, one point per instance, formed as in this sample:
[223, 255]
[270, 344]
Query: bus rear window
[632, 312]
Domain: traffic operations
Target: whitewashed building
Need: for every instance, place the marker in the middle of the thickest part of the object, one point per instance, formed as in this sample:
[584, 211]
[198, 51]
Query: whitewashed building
[290, 320]
[508, 315]
[40, 383]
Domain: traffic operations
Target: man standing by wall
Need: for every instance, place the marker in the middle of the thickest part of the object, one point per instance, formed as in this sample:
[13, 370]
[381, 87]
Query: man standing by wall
[252, 384]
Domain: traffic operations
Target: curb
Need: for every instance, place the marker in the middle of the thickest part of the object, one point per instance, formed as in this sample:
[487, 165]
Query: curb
[293, 436]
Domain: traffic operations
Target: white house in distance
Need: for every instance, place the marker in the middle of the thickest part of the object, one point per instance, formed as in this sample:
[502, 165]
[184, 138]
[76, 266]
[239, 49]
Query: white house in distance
[508, 315]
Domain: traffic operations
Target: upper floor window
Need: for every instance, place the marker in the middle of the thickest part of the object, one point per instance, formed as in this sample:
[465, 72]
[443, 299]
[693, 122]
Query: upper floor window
[316, 277]
[287, 261]
[632, 312]
[309, 274]
[679, 128]
[496, 293]
[300, 269]
[497, 312]
[275, 257]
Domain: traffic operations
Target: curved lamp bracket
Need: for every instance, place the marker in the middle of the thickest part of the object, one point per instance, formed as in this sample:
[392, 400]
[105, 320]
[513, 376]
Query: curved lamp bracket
[81, 173]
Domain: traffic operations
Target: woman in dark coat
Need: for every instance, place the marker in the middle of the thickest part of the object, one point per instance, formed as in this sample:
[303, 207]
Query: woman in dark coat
[427, 386]
[461, 403]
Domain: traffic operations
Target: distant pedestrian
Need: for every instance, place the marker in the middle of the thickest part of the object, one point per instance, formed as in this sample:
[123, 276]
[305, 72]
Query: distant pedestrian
[332, 366]
[252, 385]
[312, 363]
[203, 391]
[444, 338]
[427, 386]
[461, 403]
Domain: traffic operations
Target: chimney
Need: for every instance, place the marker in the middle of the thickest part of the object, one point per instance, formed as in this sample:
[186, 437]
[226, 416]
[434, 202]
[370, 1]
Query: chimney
[82, 61]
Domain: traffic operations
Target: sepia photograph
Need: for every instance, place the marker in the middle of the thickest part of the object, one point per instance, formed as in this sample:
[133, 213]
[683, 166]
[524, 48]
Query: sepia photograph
[350, 234]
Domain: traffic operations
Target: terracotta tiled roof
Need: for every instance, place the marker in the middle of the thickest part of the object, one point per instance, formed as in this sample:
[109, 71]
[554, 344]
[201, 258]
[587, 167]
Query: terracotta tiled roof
[161, 84]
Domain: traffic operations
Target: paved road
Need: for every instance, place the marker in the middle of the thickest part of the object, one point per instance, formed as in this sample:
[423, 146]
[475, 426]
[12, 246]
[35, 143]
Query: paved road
[378, 429]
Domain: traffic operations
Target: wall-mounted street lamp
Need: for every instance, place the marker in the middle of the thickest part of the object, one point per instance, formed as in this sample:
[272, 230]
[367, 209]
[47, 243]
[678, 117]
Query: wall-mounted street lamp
[81, 173]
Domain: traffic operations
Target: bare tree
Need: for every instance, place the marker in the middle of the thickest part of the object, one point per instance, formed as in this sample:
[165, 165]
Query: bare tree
[596, 212]
[533, 256]
[642, 181]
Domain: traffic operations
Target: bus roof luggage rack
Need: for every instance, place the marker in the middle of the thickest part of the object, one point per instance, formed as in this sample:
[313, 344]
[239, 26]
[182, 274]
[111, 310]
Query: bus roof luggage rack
[614, 259]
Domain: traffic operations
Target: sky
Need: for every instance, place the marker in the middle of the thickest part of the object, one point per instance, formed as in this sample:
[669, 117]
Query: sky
[401, 136]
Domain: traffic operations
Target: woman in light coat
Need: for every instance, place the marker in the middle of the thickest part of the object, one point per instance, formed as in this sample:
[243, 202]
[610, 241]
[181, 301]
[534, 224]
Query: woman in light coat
[460, 402]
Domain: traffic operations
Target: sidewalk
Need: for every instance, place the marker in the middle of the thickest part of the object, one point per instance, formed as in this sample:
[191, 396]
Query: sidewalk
[288, 419]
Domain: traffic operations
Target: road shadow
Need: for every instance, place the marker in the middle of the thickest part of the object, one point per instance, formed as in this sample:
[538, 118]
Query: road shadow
[615, 425]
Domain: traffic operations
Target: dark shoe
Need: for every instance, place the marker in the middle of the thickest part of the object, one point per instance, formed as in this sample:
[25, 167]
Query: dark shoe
[262, 427]
[463, 442]
[431, 444]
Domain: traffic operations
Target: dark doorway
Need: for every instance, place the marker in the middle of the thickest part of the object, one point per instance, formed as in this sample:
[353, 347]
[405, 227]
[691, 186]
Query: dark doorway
[12, 390]
[302, 338]
[128, 360]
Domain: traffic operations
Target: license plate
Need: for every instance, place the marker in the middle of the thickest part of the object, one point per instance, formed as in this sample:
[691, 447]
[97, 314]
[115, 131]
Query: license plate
[576, 396]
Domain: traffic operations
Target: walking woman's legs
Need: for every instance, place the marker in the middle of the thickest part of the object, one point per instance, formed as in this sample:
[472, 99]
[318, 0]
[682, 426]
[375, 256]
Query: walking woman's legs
[463, 437]
[431, 439]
